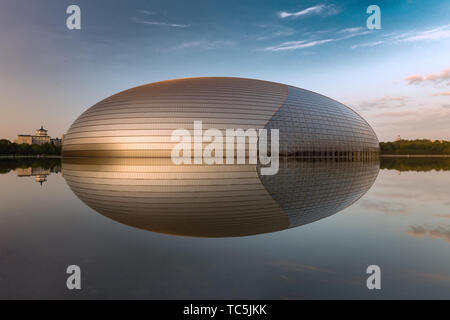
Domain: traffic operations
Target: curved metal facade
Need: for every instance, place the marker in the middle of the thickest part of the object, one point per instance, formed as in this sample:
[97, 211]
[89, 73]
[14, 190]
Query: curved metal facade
[139, 122]
[216, 200]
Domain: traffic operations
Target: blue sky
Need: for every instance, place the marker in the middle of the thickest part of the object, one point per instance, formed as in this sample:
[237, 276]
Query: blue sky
[397, 77]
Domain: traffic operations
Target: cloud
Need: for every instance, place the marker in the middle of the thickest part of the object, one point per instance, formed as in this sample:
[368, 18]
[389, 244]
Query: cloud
[350, 30]
[441, 94]
[293, 45]
[320, 9]
[200, 44]
[384, 102]
[146, 12]
[317, 32]
[157, 23]
[414, 79]
[276, 34]
[432, 77]
[439, 33]
[301, 44]
[425, 232]
[367, 44]
[447, 106]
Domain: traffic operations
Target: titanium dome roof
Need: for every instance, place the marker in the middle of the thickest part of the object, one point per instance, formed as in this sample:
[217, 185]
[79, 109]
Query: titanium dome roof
[139, 122]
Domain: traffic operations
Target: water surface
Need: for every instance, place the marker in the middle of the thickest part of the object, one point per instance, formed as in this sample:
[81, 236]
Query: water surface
[401, 223]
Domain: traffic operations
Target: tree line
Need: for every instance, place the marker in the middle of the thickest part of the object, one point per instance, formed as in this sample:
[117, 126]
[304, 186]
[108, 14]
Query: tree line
[11, 148]
[414, 147]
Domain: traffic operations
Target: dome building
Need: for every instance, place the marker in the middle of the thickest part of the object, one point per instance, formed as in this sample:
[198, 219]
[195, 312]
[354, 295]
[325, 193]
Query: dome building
[139, 122]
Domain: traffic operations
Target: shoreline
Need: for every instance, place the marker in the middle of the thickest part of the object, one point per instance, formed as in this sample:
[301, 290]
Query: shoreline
[415, 155]
[2, 156]
[18, 156]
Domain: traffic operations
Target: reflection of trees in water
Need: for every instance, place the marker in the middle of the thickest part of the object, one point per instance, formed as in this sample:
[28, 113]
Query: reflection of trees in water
[400, 164]
[415, 164]
[52, 164]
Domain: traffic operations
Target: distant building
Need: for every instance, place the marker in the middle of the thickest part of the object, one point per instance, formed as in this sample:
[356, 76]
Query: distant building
[57, 142]
[398, 138]
[39, 174]
[40, 137]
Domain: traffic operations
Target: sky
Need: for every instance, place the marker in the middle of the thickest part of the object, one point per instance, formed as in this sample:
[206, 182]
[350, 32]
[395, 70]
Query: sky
[396, 77]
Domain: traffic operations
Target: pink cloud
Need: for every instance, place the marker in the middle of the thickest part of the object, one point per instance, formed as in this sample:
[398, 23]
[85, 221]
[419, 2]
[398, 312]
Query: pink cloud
[441, 94]
[423, 232]
[432, 77]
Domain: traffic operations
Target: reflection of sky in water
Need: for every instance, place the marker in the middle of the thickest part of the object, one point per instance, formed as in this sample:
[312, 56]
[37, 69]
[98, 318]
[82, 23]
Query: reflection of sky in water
[45, 228]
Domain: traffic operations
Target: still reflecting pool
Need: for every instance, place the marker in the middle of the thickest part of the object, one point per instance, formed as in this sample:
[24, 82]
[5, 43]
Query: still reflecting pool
[216, 200]
[308, 232]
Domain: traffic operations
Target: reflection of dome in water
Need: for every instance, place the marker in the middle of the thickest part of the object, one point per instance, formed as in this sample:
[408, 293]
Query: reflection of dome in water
[139, 122]
[216, 200]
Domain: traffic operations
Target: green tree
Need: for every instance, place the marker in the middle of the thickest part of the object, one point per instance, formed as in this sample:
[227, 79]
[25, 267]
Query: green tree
[415, 147]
